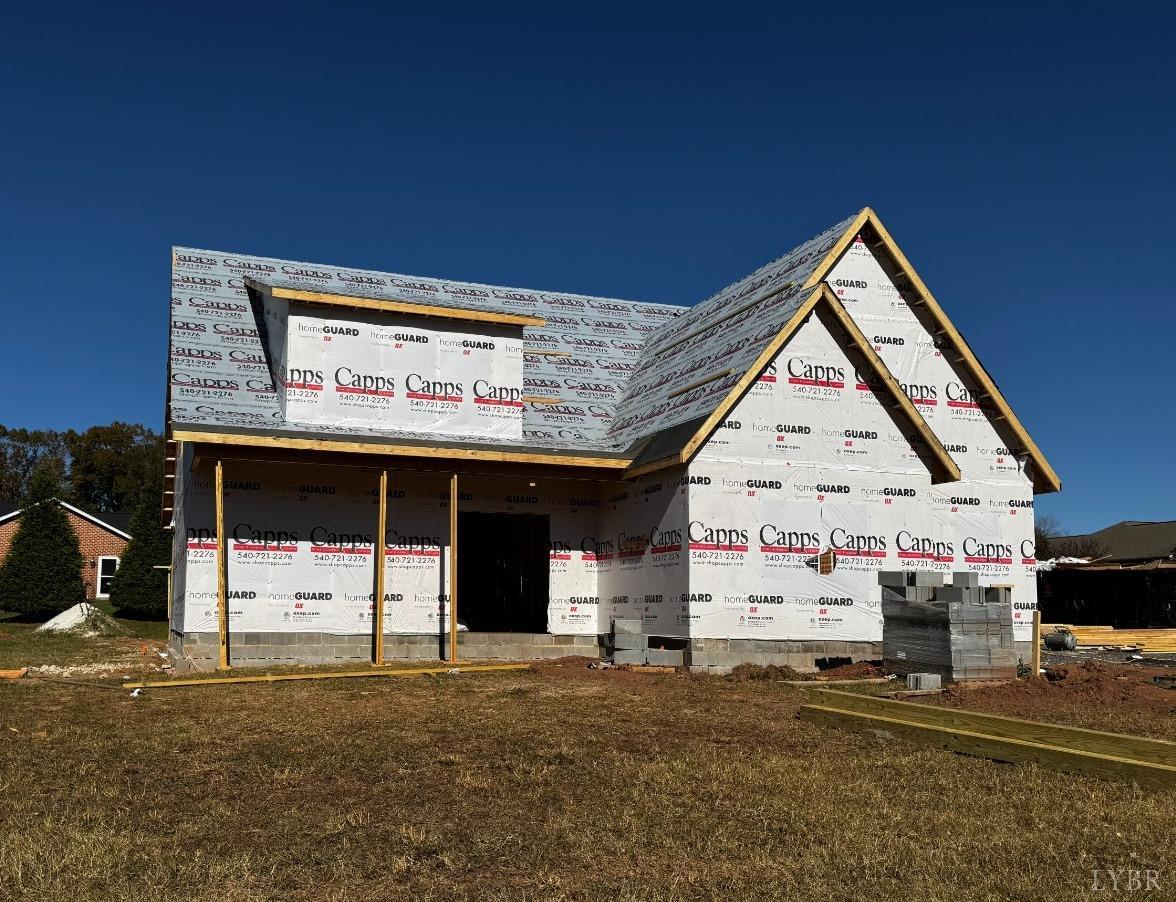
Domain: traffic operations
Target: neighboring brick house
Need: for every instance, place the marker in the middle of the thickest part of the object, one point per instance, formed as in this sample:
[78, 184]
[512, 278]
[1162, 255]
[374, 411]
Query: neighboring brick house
[102, 538]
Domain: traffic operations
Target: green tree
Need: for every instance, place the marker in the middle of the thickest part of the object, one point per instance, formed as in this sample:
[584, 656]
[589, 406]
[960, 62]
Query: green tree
[42, 575]
[22, 451]
[137, 585]
[109, 464]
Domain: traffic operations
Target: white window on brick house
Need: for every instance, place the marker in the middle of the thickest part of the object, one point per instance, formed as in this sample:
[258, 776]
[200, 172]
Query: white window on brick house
[107, 566]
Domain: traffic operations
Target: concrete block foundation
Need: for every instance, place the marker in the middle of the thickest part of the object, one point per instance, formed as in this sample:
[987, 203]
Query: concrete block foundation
[273, 649]
[717, 656]
[723, 655]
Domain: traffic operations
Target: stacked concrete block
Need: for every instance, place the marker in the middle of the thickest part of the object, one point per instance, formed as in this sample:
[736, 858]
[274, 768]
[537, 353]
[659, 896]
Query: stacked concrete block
[630, 644]
[921, 682]
[665, 657]
[965, 580]
[959, 632]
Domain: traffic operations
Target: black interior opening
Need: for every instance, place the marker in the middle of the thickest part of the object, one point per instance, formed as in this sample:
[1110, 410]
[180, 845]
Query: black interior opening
[502, 572]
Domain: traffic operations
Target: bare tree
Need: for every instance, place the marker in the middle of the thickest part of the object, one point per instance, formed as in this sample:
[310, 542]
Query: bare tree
[1045, 529]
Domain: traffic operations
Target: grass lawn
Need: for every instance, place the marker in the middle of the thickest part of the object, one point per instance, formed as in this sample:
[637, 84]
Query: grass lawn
[22, 646]
[556, 783]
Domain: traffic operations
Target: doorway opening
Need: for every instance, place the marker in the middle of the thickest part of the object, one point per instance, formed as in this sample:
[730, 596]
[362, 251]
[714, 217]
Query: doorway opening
[502, 572]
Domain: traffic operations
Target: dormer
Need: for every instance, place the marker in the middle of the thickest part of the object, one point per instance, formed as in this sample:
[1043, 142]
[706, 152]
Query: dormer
[385, 364]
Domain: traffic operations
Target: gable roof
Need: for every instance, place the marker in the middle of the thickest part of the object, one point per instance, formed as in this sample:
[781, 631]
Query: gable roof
[696, 432]
[116, 522]
[1045, 479]
[758, 309]
[1132, 540]
[618, 382]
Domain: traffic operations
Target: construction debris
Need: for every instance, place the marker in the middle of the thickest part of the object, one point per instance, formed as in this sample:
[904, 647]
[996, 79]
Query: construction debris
[1153, 640]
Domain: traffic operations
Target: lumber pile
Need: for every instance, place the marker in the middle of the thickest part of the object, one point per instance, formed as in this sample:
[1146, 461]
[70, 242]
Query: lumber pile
[1162, 641]
[1113, 756]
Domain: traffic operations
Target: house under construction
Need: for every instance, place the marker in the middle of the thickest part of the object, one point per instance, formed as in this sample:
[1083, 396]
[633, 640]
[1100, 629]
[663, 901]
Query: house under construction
[375, 466]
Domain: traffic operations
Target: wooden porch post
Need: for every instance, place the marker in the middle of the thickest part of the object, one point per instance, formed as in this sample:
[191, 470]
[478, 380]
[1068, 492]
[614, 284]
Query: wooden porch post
[453, 569]
[1036, 644]
[378, 615]
[222, 601]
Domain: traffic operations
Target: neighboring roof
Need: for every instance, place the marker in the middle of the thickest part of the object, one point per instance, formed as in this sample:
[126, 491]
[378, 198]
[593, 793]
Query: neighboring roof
[633, 376]
[117, 522]
[1131, 540]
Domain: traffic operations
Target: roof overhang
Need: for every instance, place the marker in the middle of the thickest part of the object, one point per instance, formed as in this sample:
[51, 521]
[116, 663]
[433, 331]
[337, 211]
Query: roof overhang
[383, 305]
[613, 465]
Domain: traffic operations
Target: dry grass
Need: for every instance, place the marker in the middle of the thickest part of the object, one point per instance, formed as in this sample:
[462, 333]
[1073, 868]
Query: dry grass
[560, 783]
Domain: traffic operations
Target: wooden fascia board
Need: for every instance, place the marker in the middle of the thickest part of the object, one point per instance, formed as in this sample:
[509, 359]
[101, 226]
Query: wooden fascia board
[662, 463]
[408, 307]
[839, 248]
[950, 471]
[1045, 478]
[346, 447]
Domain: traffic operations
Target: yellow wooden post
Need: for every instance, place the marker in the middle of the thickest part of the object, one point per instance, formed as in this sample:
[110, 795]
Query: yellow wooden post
[453, 568]
[378, 610]
[1036, 643]
[222, 600]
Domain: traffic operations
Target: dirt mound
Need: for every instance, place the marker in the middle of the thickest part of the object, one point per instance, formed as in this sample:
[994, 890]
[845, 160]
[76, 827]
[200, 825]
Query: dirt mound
[862, 670]
[745, 673]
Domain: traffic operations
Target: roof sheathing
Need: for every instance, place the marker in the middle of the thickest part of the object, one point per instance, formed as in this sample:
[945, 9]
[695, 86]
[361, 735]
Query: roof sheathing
[725, 333]
[626, 378]
[940, 463]
[580, 357]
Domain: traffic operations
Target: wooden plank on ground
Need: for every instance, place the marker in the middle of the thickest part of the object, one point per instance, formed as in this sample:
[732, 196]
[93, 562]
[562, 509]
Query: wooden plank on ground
[340, 675]
[1120, 745]
[1157, 776]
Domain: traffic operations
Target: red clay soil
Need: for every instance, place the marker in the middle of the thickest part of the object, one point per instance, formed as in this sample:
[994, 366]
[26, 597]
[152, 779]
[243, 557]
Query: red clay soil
[743, 673]
[862, 670]
[1115, 697]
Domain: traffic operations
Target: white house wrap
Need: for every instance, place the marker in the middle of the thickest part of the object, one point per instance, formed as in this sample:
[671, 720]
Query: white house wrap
[740, 469]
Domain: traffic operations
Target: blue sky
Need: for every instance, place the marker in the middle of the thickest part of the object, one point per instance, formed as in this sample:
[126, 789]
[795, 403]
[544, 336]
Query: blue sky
[1021, 157]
